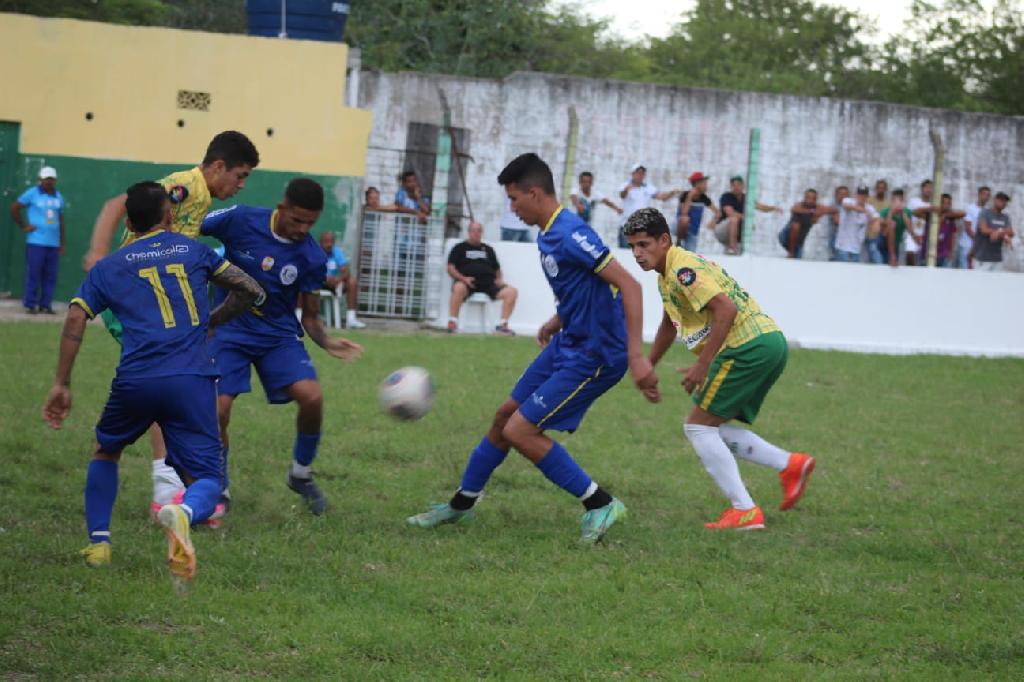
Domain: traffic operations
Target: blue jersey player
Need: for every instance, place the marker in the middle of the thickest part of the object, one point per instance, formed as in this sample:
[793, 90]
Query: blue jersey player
[155, 285]
[276, 249]
[594, 337]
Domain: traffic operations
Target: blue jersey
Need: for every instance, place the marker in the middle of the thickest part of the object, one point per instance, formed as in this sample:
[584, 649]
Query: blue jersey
[44, 213]
[156, 286]
[282, 267]
[590, 309]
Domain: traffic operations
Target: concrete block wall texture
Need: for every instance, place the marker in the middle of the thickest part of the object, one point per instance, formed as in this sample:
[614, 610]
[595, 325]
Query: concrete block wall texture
[100, 103]
[806, 142]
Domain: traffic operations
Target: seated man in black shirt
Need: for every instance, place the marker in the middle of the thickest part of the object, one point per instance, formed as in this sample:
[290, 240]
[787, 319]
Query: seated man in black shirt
[729, 230]
[803, 216]
[475, 268]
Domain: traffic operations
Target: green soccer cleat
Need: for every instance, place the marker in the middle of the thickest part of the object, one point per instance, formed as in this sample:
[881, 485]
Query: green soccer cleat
[596, 522]
[439, 514]
[97, 554]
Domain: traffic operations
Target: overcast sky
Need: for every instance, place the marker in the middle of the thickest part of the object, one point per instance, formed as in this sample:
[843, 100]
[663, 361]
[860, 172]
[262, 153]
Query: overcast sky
[634, 18]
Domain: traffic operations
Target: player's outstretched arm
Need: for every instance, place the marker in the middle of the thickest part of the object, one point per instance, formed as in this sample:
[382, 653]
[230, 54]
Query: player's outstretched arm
[244, 292]
[58, 401]
[343, 349]
[633, 306]
[103, 231]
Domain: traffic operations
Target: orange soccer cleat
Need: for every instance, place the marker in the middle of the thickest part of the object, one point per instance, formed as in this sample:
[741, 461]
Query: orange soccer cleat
[794, 478]
[738, 519]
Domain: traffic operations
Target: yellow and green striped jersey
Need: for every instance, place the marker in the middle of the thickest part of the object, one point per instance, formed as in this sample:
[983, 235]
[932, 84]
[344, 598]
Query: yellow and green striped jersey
[689, 283]
[191, 202]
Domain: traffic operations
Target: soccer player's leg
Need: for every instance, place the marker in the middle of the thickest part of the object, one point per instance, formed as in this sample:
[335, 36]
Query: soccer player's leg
[759, 365]
[188, 416]
[287, 374]
[234, 360]
[125, 417]
[492, 449]
[560, 404]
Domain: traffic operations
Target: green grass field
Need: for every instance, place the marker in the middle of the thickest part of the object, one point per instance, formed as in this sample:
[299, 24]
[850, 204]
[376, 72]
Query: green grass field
[904, 560]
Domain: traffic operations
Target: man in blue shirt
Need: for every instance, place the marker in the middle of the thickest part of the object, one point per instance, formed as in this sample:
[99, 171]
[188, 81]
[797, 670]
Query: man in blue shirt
[340, 279]
[276, 249]
[593, 338]
[155, 286]
[44, 240]
[410, 198]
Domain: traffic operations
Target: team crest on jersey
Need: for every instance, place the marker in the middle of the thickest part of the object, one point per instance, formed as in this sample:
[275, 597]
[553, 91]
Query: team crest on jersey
[289, 274]
[550, 265]
[686, 276]
[177, 194]
[267, 263]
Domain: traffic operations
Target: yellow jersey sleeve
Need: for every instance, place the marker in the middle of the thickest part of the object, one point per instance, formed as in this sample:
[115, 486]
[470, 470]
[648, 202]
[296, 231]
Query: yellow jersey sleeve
[697, 282]
[191, 200]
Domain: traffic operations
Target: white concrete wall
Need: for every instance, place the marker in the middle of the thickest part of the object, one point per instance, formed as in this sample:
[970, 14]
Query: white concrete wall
[806, 142]
[842, 306]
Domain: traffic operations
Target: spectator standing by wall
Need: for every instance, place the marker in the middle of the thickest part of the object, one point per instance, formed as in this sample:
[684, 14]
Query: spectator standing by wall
[729, 230]
[585, 198]
[924, 212]
[372, 199]
[948, 218]
[803, 217]
[637, 194]
[994, 230]
[690, 214]
[474, 267]
[896, 221]
[410, 198]
[44, 240]
[854, 217]
[341, 279]
[969, 233]
[841, 192]
[874, 239]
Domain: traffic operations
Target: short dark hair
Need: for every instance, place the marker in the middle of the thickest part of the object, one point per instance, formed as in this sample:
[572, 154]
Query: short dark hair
[811, 189]
[407, 173]
[842, 187]
[527, 171]
[647, 220]
[897, 192]
[145, 205]
[735, 178]
[925, 182]
[366, 194]
[586, 174]
[947, 196]
[984, 188]
[1003, 195]
[233, 148]
[882, 181]
[305, 193]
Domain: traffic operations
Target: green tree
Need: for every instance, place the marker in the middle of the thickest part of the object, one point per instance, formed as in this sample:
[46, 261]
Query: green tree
[132, 12]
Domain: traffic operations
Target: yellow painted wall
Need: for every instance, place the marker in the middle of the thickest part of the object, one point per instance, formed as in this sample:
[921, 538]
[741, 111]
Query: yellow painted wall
[53, 71]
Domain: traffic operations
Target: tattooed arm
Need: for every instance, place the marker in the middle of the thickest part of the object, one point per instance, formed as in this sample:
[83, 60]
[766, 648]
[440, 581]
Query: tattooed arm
[340, 348]
[245, 293]
[58, 402]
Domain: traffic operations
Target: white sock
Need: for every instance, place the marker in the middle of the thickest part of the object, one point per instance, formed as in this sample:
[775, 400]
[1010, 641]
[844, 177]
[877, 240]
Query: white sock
[299, 470]
[188, 510]
[453, 319]
[503, 323]
[719, 463]
[350, 315]
[165, 482]
[751, 447]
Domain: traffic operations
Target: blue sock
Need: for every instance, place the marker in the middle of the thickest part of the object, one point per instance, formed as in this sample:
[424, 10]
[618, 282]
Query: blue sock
[485, 459]
[100, 493]
[561, 469]
[306, 444]
[202, 497]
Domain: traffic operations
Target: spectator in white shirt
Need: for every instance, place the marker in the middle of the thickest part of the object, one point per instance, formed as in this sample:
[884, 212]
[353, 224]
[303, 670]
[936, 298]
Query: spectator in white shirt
[970, 227]
[585, 198]
[855, 215]
[637, 194]
[921, 207]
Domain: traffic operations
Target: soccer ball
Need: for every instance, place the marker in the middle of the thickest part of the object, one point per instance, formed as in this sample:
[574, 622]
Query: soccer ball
[407, 393]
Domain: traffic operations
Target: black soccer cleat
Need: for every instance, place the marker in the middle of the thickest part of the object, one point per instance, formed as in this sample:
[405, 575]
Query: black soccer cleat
[309, 491]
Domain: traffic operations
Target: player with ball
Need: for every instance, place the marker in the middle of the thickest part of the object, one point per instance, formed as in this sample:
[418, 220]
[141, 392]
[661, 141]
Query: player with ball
[594, 337]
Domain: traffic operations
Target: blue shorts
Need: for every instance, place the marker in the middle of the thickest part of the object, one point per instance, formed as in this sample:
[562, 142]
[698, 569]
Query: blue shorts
[185, 407]
[560, 385]
[280, 362]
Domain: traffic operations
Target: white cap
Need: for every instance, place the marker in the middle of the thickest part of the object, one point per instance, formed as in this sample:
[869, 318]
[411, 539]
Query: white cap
[48, 172]
[637, 166]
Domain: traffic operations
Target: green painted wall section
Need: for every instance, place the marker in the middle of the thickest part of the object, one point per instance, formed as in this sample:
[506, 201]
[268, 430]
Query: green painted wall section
[87, 183]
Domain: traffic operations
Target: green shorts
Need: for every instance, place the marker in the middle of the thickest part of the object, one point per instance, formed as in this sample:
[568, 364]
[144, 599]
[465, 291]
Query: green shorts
[740, 378]
[113, 325]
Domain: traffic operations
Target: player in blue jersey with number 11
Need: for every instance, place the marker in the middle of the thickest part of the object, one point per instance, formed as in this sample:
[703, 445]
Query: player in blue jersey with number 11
[594, 337]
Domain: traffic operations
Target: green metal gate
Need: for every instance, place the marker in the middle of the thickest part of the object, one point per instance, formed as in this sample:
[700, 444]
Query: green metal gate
[10, 237]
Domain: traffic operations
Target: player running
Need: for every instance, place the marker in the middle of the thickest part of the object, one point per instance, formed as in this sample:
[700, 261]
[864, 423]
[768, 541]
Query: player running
[156, 286]
[586, 351]
[740, 354]
[276, 249]
[230, 158]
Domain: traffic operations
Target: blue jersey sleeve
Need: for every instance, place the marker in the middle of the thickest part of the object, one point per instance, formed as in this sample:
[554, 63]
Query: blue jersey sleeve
[340, 260]
[584, 247]
[92, 294]
[211, 260]
[314, 278]
[218, 223]
[27, 196]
